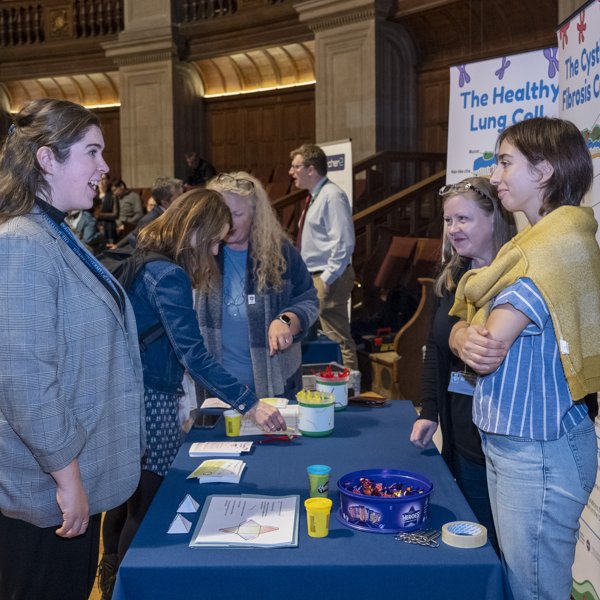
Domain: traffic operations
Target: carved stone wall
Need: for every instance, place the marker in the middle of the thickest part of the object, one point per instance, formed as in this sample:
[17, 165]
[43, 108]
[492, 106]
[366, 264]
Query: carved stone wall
[356, 52]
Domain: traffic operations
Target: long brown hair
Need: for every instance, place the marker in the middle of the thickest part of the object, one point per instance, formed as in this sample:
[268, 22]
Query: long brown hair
[200, 214]
[57, 124]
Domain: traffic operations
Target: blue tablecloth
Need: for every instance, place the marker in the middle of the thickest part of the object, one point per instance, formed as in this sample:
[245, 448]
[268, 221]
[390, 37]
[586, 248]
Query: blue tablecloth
[348, 564]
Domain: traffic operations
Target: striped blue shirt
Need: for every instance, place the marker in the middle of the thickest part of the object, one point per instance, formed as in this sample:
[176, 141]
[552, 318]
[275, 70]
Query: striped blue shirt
[528, 395]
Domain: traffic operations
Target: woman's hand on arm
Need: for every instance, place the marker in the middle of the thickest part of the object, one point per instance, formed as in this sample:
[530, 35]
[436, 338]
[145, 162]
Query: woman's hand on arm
[422, 432]
[474, 345]
[281, 336]
[72, 500]
[267, 417]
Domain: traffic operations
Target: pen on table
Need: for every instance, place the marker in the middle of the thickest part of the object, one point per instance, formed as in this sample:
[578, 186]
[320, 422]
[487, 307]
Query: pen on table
[285, 436]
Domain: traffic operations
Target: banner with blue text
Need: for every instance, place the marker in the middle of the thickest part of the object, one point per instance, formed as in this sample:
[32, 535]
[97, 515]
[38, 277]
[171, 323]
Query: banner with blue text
[488, 96]
[579, 102]
[579, 77]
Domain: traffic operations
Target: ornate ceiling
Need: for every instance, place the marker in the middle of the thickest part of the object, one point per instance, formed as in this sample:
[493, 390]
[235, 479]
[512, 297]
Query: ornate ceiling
[257, 70]
[243, 72]
[444, 32]
[91, 89]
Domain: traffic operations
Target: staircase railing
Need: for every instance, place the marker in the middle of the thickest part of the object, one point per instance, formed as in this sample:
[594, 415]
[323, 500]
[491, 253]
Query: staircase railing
[414, 211]
[384, 173]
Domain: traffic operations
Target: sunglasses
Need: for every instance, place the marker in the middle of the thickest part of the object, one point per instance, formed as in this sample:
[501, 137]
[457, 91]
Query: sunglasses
[231, 182]
[460, 188]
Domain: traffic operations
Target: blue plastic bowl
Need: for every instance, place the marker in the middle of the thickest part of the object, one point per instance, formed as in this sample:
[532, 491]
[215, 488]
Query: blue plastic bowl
[384, 515]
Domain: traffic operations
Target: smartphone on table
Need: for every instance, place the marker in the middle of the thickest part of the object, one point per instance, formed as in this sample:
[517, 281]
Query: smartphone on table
[204, 420]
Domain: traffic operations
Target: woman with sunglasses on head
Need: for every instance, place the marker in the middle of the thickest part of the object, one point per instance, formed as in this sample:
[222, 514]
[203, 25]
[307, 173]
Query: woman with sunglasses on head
[266, 292]
[476, 227]
[188, 234]
[540, 297]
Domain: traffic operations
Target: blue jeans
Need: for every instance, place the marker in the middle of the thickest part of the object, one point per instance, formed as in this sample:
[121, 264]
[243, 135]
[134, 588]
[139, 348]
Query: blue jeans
[538, 490]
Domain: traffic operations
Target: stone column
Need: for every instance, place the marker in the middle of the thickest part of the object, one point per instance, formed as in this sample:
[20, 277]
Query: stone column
[160, 94]
[365, 72]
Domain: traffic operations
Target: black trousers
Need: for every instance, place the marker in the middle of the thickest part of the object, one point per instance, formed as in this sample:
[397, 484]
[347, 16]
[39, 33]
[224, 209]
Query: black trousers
[35, 563]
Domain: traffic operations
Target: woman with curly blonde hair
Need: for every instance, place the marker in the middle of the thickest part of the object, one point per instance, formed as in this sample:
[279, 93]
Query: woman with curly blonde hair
[253, 319]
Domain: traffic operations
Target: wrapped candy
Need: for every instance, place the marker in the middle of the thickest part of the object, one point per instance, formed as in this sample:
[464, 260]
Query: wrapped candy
[367, 487]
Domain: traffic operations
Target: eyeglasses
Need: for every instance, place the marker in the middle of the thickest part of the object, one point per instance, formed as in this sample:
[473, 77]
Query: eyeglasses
[231, 182]
[298, 167]
[460, 188]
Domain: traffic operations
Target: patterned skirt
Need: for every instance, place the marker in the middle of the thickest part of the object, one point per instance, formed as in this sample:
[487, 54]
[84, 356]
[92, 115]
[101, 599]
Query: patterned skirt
[163, 432]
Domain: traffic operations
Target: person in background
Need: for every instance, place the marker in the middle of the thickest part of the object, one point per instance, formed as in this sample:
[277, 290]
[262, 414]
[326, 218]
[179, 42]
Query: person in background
[326, 242]
[540, 299]
[71, 393]
[131, 209]
[200, 170]
[150, 205]
[476, 227]
[255, 317]
[108, 209]
[83, 225]
[188, 234]
[165, 191]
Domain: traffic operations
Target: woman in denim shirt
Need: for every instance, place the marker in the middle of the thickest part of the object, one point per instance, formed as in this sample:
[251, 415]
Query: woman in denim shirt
[189, 234]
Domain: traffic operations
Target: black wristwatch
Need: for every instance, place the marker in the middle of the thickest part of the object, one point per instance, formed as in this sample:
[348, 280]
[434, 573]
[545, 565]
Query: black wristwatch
[285, 319]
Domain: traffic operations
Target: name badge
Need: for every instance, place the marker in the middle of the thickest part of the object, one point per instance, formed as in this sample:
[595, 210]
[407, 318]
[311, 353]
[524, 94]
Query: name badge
[251, 299]
[462, 383]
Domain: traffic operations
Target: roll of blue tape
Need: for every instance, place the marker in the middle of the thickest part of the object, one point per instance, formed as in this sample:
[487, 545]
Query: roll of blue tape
[464, 534]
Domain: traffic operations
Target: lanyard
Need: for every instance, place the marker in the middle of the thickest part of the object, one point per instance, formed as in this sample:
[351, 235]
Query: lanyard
[93, 265]
[313, 197]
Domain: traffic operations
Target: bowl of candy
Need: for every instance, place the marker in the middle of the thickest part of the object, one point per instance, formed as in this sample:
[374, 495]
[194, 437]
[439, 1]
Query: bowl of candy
[384, 500]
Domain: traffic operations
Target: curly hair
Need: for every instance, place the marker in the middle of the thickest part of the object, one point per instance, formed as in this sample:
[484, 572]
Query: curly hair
[266, 233]
[57, 124]
[503, 229]
[186, 232]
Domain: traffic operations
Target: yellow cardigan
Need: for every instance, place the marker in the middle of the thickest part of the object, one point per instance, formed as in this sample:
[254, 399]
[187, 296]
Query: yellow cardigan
[560, 255]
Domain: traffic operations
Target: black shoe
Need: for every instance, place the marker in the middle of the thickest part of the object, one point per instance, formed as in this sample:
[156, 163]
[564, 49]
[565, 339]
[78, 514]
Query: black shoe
[107, 574]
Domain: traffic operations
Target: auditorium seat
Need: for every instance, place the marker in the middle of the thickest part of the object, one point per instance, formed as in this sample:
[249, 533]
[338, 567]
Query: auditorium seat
[397, 374]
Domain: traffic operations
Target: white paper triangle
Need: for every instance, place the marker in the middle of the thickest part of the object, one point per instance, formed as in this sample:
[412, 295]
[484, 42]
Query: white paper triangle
[179, 525]
[188, 505]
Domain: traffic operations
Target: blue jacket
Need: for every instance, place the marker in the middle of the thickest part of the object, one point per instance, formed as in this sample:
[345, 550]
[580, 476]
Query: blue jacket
[163, 292]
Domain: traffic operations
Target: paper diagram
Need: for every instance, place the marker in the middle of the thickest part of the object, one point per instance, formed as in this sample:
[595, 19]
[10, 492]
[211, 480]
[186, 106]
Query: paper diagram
[249, 530]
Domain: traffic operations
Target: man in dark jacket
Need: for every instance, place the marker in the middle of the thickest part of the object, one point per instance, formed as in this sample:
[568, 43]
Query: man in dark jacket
[201, 170]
